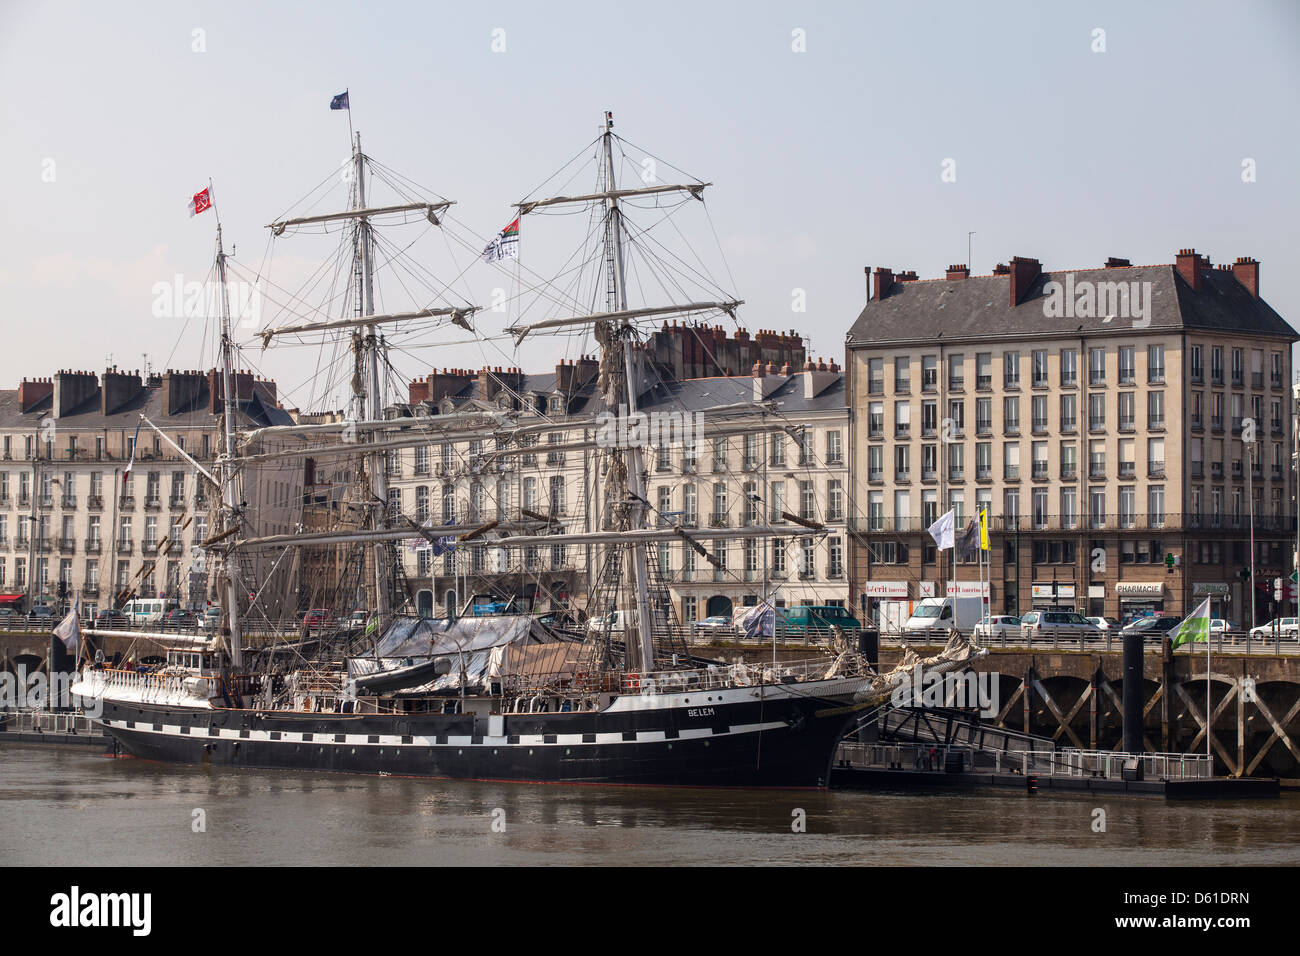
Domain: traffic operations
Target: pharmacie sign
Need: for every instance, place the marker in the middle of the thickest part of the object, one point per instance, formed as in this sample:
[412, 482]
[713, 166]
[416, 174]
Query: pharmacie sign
[1140, 589]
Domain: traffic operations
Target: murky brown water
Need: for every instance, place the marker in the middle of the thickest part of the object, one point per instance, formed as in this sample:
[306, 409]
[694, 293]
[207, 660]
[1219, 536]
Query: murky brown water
[60, 806]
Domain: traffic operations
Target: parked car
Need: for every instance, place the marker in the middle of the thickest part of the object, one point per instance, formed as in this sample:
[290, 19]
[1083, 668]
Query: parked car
[998, 626]
[318, 618]
[1219, 626]
[816, 619]
[41, 614]
[1062, 623]
[179, 617]
[8, 615]
[111, 618]
[211, 617]
[1152, 628]
[357, 619]
[1289, 627]
[717, 624]
[1106, 623]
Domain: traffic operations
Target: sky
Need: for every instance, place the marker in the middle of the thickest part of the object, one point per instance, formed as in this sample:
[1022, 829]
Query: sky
[837, 136]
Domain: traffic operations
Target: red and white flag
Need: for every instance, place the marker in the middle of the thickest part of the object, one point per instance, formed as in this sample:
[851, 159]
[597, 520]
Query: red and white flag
[201, 201]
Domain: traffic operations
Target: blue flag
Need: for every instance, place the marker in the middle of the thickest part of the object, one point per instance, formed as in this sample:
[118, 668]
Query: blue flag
[340, 102]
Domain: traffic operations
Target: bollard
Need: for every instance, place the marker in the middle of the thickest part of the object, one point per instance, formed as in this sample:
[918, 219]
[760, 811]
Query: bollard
[1132, 695]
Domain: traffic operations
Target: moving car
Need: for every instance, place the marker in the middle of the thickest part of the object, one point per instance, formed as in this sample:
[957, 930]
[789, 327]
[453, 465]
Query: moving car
[1288, 626]
[1152, 628]
[998, 626]
[179, 617]
[1106, 623]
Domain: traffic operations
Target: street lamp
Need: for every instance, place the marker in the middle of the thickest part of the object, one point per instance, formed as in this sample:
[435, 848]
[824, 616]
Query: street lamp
[1250, 440]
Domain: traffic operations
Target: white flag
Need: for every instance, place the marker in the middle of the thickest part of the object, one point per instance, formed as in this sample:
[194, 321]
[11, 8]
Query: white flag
[69, 630]
[943, 530]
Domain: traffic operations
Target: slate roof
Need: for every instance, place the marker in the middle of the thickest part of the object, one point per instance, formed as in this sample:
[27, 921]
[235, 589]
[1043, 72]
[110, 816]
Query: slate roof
[979, 308]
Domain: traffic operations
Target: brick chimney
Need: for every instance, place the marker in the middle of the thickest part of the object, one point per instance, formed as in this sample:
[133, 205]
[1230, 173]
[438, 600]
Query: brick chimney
[1246, 270]
[1113, 263]
[884, 279]
[32, 392]
[118, 388]
[217, 392]
[1023, 273]
[1001, 269]
[72, 389]
[418, 390]
[1191, 267]
[181, 391]
[585, 371]
[958, 272]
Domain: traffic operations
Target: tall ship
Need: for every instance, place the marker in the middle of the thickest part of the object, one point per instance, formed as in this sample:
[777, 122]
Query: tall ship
[613, 695]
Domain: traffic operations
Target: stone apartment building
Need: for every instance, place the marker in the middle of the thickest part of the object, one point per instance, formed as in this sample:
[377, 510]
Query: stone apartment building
[69, 512]
[1103, 417]
[727, 482]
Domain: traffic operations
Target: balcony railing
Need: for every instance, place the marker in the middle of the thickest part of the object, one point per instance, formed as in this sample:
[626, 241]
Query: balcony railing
[93, 545]
[1010, 472]
[1155, 469]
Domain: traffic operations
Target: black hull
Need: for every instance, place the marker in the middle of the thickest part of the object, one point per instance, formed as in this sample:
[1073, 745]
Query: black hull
[776, 743]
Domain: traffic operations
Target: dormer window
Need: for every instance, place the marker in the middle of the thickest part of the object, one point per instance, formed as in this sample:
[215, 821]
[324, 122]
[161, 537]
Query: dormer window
[557, 404]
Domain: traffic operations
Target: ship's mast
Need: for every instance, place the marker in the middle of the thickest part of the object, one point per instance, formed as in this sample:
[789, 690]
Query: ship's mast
[229, 496]
[640, 642]
[374, 400]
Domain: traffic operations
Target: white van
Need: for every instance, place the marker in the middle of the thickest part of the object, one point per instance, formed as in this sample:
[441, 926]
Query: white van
[145, 610]
[962, 613]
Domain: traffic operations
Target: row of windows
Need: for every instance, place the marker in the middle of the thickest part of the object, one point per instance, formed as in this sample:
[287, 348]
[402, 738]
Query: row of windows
[1067, 363]
[1067, 419]
[1065, 551]
[783, 558]
[170, 575]
[752, 449]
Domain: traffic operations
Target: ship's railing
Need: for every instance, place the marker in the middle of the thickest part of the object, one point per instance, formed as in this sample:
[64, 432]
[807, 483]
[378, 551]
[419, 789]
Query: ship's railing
[718, 677]
[151, 683]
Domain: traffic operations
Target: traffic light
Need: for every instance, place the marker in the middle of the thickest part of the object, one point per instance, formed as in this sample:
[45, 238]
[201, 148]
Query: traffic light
[1245, 574]
[1277, 589]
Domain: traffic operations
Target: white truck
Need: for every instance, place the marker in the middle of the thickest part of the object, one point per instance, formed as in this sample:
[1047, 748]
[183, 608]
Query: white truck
[962, 613]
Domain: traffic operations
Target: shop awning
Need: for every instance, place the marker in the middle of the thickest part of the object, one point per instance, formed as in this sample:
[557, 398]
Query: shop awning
[9, 598]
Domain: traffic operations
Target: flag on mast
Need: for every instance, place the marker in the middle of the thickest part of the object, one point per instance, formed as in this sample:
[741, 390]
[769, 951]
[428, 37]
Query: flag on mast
[505, 245]
[126, 473]
[69, 629]
[942, 530]
[200, 201]
[340, 102]
[984, 529]
[1194, 628]
[969, 542]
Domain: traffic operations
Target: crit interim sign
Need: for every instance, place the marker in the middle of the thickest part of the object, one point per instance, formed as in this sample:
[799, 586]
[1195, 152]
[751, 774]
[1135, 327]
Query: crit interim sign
[968, 589]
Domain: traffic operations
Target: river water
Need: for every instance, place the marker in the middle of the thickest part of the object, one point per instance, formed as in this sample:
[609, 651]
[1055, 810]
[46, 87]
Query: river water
[67, 807]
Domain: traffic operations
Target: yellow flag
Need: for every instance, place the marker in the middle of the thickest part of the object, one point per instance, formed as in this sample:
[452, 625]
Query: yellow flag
[984, 529]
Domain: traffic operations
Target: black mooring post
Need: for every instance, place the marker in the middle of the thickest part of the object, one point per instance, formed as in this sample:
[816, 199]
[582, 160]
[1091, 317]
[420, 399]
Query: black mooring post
[869, 645]
[1132, 696]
